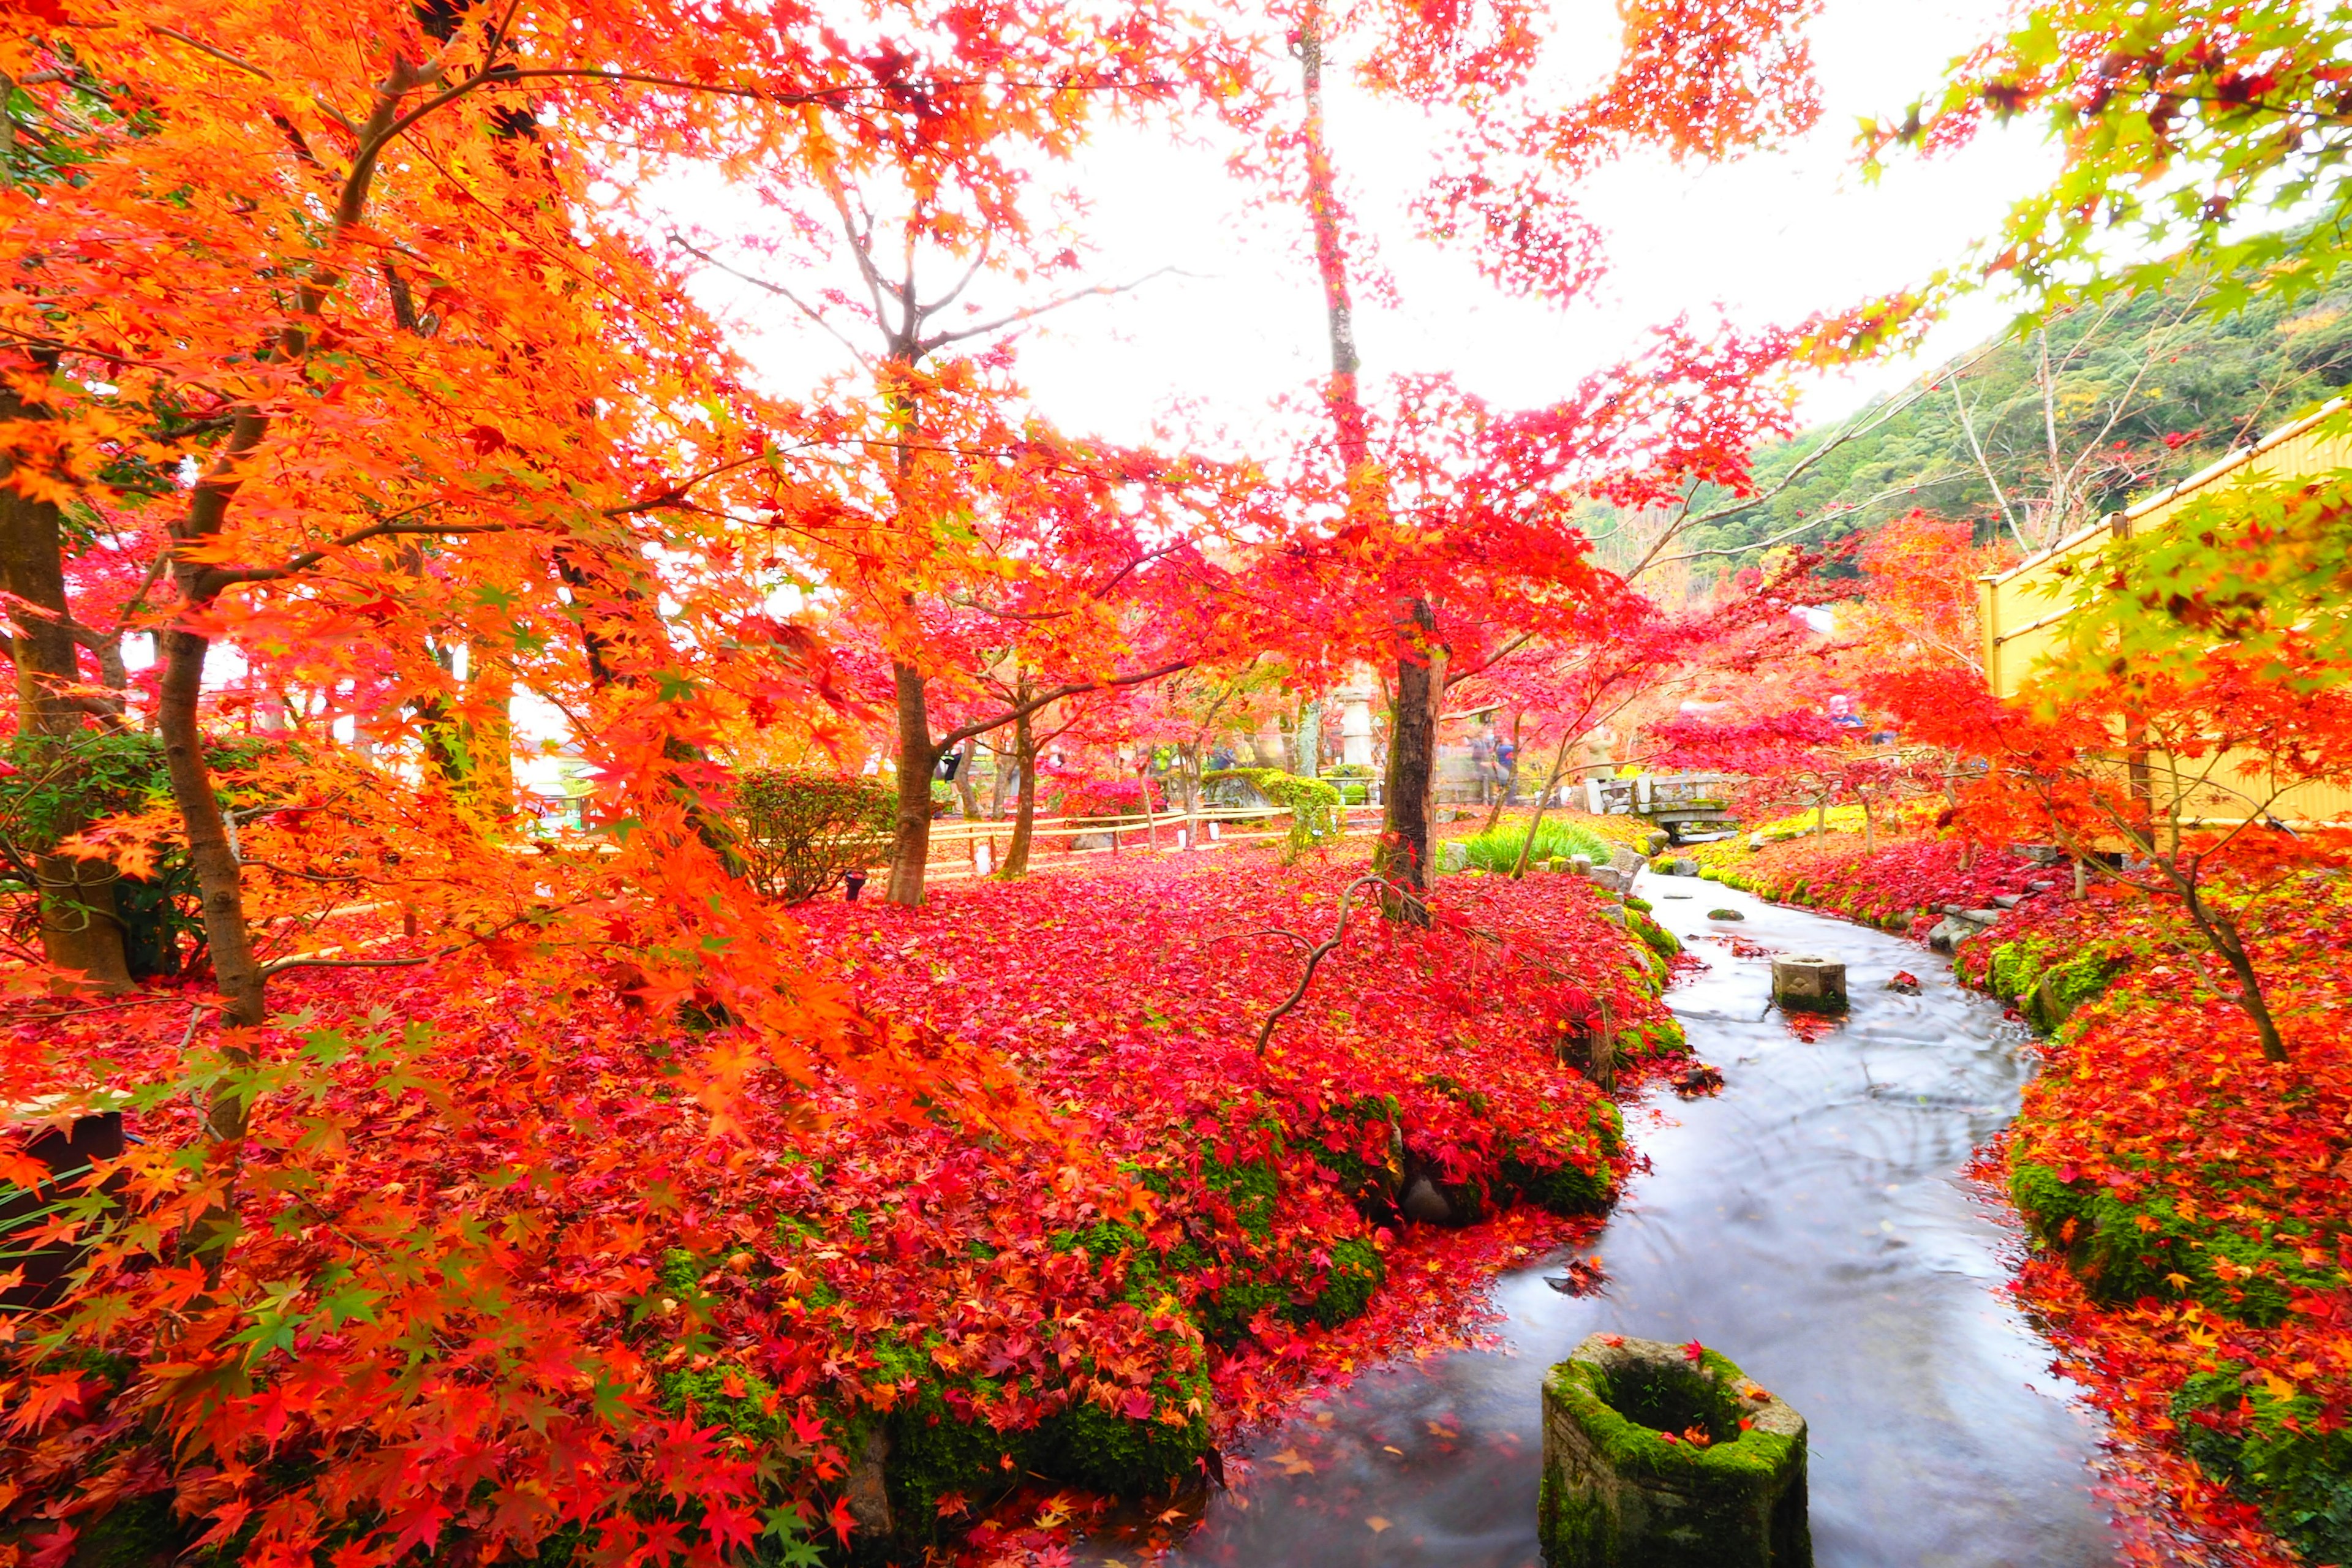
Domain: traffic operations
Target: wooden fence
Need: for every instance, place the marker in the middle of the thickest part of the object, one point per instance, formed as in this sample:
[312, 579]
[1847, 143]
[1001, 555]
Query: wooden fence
[961, 848]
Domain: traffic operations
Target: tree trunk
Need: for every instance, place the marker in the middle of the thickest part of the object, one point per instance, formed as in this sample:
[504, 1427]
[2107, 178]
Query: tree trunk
[81, 924]
[218, 881]
[996, 776]
[1411, 781]
[1025, 804]
[2221, 933]
[918, 756]
[964, 786]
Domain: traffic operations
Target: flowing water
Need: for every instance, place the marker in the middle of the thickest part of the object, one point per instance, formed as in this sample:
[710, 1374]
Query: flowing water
[1812, 1223]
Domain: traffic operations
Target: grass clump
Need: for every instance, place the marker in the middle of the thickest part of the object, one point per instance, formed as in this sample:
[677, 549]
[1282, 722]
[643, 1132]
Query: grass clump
[1498, 849]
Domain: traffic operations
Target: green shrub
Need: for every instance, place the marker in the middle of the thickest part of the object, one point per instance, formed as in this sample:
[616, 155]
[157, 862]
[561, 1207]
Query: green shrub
[1314, 806]
[1498, 848]
[63, 787]
[803, 830]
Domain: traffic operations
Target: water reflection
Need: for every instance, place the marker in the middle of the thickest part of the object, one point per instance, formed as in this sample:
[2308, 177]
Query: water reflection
[1810, 1223]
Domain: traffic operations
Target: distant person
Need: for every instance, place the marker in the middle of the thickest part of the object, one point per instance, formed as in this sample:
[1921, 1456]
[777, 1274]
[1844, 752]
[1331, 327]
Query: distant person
[1507, 769]
[1221, 759]
[1482, 763]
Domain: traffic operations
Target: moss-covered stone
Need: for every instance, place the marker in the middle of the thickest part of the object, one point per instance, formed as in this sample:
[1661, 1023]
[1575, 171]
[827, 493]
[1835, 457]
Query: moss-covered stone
[2273, 1445]
[1339, 1150]
[1627, 1479]
[941, 1440]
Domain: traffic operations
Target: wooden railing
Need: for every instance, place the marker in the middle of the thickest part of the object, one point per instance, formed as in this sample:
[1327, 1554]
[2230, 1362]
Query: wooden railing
[958, 844]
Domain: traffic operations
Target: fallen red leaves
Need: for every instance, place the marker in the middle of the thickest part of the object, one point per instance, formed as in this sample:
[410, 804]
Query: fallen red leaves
[523, 1254]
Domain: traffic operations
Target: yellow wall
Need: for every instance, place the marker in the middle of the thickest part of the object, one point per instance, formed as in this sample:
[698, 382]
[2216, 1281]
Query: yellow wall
[2024, 608]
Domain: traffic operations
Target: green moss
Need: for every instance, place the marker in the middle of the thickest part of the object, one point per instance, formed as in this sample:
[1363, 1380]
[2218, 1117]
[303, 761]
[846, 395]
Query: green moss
[1359, 1177]
[2054, 997]
[1563, 1187]
[137, 1532]
[1659, 1036]
[1657, 938]
[1608, 1124]
[2273, 1446]
[746, 1413]
[2124, 1249]
[1111, 1452]
[1356, 1271]
[941, 1440]
[1225, 1313]
[1625, 1413]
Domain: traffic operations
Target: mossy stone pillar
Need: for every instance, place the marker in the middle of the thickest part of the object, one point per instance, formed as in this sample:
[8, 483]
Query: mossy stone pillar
[1809, 984]
[1656, 1458]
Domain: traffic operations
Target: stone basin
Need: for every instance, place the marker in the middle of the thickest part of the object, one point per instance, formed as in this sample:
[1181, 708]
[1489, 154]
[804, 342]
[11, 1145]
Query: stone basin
[1652, 1458]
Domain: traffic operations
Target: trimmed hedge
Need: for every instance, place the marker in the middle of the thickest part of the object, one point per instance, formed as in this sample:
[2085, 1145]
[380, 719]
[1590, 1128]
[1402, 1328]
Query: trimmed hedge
[1314, 806]
[803, 830]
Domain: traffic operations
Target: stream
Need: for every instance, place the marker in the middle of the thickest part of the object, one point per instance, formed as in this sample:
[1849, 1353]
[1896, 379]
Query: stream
[1811, 1222]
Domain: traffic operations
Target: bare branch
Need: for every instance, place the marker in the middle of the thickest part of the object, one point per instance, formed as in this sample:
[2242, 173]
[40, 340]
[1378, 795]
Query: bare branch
[1853, 430]
[981, 727]
[1099, 290]
[776, 288]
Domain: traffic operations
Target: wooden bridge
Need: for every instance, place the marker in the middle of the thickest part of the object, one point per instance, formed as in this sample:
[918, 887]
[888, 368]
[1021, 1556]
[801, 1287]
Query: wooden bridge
[1676, 802]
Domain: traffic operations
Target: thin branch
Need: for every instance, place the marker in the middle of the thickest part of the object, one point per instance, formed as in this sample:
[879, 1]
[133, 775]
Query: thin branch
[1099, 290]
[1984, 465]
[1830, 514]
[212, 580]
[202, 48]
[1316, 954]
[306, 961]
[981, 727]
[776, 288]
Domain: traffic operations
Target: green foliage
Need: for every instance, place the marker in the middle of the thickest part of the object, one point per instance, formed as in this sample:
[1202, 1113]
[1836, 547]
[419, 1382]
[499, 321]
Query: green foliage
[2276, 1444]
[64, 787]
[2206, 386]
[1498, 849]
[803, 831]
[1314, 806]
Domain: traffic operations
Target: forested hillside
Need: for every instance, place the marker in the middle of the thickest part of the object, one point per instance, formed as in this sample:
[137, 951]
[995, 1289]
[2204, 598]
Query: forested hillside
[2032, 437]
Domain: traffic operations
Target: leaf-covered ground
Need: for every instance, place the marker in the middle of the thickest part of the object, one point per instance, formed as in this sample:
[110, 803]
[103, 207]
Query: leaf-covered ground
[545, 1260]
[2190, 1204]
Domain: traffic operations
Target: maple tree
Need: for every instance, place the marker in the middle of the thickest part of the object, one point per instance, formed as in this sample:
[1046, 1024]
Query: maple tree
[1436, 490]
[2169, 788]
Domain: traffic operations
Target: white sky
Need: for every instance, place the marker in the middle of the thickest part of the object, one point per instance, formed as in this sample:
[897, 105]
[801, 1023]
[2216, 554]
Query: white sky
[1773, 238]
